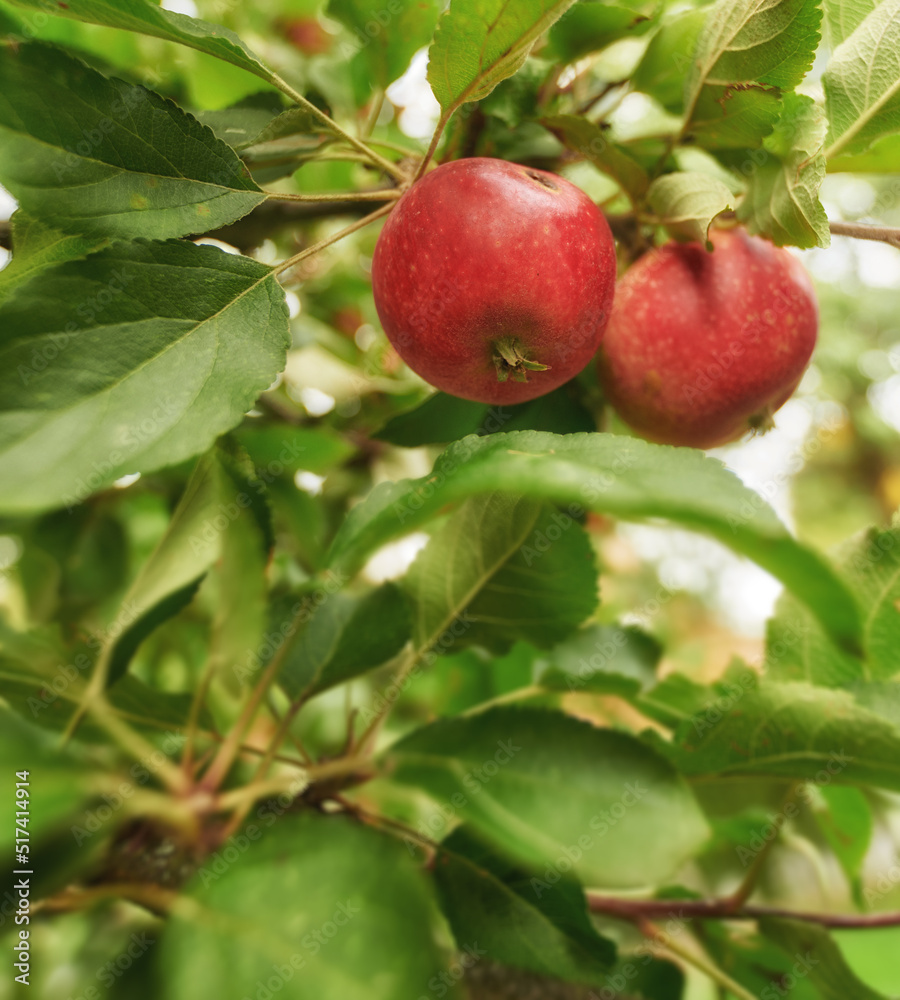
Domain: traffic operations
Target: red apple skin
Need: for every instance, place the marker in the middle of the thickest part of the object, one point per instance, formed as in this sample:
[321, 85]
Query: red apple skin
[703, 346]
[479, 250]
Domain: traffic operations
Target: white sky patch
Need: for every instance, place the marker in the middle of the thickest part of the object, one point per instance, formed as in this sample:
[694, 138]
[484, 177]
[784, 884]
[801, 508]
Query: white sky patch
[316, 402]
[309, 482]
[365, 336]
[208, 241]
[885, 400]
[181, 7]
[5, 257]
[8, 204]
[123, 482]
[419, 111]
[293, 303]
[394, 559]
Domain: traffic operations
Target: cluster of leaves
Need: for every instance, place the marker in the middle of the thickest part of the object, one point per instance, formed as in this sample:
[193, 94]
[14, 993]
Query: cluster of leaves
[150, 623]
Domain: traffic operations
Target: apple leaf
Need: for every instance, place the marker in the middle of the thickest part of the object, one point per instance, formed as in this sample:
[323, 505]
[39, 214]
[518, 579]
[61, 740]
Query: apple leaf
[222, 507]
[64, 780]
[344, 637]
[101, 157]
[36, 246]
[798, 648]
[829, 973]
[478, 43]
[667, 59]
[862, 83]
[687, 202]
[258, 118]
[787, 730]
[843, 17]
[551, 790]
[148, 18]
[589, 140]
[350, 899]
[137, 357]
[846, 823]
[603, 659]
[611, 474]
[748, 53]
[882, 157]
[782, 197]
[505, 568]
[487, 899]
[404, 29]
[589, 27]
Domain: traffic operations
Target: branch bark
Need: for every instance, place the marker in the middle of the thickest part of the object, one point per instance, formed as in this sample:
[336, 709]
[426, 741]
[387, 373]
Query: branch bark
[637, 910]
[860, 231]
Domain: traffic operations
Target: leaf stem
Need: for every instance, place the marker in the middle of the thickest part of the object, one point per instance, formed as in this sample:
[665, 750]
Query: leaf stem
[432, 148]
[316, 247]
[860, 231]
[388, 194]
[391, 169]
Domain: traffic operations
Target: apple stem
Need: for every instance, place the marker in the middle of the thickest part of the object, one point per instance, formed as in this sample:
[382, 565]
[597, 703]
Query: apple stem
[761, 422]
[511, 362]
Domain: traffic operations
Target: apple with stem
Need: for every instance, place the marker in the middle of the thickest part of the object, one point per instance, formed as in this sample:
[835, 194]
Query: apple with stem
[703, 346]
[494, 281]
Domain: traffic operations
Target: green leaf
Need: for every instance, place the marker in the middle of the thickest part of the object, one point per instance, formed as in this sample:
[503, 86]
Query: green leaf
[245, 543]
[36, 246]
[43, 690]
[881, 158]
[788, 730]
[502, 569]
[782, 198]
[135, 358]
[148, 18]
[349, 901]
[667, 60]
[59, 784]
[747, 53]
[686, 203]
[602, 659]
[843, 17]
[404, 28]
[442, 418]
[345, 637]
[220, 501]
[487, 899]
[610, 474]
[588, 27]
[258, 118]
[478, 43]
[826, 967]
[798, 648]
[846, 822]
[588, 139]
[557, 793]
[104, 158]
[277, 449]
[862, 83]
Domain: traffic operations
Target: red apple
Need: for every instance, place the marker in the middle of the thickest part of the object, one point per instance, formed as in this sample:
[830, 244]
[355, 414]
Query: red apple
[703, 346]
[494, 281]
[307, 35]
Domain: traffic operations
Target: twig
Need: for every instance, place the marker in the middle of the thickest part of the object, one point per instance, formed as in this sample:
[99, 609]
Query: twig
[723, 909]
[387, 194]
[153, 897]
[860, 231]
[705, 965]
[316, 247]
[391, 169]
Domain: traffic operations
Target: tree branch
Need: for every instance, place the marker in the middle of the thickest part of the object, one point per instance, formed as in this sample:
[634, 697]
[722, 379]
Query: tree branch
[860, 231]
[724, 909]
